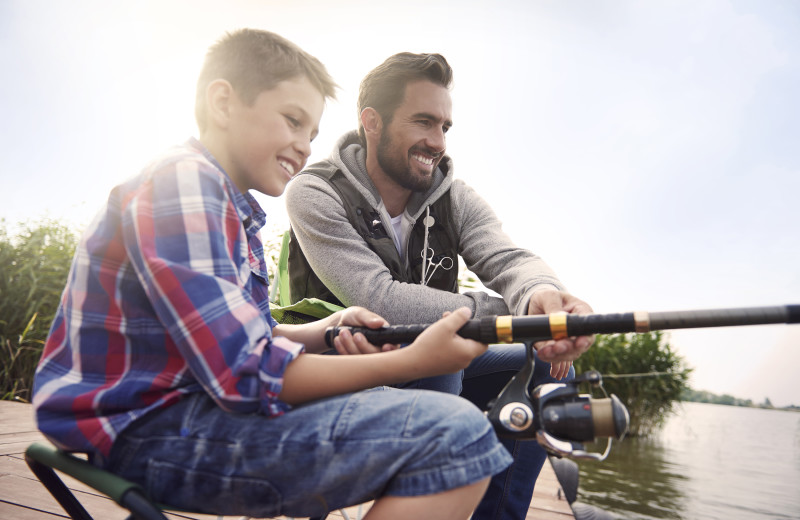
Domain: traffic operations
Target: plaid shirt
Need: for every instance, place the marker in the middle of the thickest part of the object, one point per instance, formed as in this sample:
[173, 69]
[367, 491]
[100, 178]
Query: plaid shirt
[167, 295]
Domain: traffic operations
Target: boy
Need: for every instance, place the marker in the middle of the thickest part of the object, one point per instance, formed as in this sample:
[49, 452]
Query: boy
[163, 361]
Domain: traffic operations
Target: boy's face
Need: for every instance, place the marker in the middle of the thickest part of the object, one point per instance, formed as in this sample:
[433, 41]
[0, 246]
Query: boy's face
[270, 141]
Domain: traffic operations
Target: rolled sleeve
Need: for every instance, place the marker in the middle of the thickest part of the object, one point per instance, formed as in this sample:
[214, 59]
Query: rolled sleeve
[282, 352]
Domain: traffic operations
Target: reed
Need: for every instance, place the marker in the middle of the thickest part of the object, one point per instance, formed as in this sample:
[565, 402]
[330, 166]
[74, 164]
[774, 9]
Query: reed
[34, 265]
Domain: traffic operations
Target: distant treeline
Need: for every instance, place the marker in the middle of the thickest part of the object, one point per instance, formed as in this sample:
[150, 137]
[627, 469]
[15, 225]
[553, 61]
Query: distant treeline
[703, 396]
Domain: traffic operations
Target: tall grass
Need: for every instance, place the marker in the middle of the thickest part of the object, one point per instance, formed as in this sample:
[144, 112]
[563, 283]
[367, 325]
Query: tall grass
[34, 264]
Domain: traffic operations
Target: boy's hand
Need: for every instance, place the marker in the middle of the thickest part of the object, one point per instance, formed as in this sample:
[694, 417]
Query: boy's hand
[442, 350]
[347, 343]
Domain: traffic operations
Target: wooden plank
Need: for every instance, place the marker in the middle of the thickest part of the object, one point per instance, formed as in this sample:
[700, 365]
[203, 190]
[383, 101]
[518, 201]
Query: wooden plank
[19, 485]
[18, 512]
[16, 466]
[33, 495]
[11, 425]
[16, 417]
[548, 501]
[17, 427]
[19, 443]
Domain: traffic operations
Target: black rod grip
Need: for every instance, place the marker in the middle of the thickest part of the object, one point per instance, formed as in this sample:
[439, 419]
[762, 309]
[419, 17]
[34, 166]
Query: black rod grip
[587, 324]
[393, 334]
[479, 329]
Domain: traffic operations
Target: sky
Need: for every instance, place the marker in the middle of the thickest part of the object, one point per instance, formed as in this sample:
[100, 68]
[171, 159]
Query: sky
[648, 151]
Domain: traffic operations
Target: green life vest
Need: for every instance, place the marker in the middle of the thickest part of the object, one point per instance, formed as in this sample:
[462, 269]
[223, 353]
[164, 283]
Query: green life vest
[366, 220]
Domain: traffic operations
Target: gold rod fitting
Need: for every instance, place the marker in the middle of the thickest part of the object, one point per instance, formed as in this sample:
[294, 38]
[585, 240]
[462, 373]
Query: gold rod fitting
[503, 326]
[558, 325]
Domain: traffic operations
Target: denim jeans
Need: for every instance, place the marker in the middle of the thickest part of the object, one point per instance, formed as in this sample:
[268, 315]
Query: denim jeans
[509, 494]
[316, 458]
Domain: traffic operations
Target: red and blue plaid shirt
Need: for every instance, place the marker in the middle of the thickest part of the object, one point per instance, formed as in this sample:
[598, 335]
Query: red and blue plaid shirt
[167, 295]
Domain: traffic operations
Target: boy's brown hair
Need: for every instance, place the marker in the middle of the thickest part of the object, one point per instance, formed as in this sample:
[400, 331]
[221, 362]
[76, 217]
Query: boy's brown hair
[253, 61]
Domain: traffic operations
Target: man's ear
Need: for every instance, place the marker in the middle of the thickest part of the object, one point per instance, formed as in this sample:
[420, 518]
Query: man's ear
[371, 121]
[219, 99]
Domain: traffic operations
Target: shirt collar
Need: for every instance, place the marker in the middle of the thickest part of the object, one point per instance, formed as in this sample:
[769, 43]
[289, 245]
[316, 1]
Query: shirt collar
[250, 212]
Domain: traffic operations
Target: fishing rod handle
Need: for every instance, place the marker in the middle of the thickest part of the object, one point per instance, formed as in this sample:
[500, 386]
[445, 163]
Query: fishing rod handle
[479, 329]
[508, 329]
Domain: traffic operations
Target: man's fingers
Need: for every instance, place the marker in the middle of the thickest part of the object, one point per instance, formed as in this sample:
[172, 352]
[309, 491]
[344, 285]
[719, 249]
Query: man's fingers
[561, 350]
[584, 342]
[370, 319]
[560, 370]
[361, 317]
[549, 301]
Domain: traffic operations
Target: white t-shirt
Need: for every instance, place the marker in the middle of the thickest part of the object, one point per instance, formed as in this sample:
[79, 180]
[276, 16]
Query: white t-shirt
[399, 238]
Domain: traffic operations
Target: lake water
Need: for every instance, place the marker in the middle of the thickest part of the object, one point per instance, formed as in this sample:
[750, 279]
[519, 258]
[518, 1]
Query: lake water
[709, 462]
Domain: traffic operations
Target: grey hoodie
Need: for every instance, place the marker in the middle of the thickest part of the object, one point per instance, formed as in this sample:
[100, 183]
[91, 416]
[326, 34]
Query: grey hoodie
[357, 276]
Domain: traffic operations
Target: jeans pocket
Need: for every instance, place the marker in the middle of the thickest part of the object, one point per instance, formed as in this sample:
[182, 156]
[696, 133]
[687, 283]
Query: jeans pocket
[213, 493]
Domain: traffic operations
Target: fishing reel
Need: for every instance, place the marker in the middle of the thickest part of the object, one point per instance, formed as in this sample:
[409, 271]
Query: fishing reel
[556, 415]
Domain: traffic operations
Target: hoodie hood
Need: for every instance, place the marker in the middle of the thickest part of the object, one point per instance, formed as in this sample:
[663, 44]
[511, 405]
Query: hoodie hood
[351, 157]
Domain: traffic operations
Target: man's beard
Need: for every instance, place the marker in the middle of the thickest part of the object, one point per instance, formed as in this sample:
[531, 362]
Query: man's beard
[397, 170]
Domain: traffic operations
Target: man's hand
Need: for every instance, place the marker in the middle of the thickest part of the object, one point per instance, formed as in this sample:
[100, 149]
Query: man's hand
[560, 352]
[347, 343]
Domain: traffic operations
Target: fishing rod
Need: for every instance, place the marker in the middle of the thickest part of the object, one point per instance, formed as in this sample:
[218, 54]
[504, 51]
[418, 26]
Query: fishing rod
[519, 329]
[555, 414]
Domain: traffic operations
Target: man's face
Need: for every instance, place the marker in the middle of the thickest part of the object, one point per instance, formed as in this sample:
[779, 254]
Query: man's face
[412, 145]
[270, 141]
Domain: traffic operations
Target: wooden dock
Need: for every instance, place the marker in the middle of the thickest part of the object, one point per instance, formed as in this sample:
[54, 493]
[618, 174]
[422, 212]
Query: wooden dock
[23, 497]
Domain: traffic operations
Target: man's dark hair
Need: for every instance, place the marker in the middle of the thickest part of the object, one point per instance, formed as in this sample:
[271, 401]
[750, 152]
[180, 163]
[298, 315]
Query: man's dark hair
[384, 87]
[253, 61]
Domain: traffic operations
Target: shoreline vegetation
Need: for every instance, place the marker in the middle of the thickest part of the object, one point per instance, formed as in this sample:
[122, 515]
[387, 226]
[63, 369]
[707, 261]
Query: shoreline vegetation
[704, 396]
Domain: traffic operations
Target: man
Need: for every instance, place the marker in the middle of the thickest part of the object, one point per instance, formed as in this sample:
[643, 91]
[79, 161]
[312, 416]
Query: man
[381, 223]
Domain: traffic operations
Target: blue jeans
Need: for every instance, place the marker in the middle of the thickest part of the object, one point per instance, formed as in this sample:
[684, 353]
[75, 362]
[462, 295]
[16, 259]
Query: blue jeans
[316, 458]
[510, 492]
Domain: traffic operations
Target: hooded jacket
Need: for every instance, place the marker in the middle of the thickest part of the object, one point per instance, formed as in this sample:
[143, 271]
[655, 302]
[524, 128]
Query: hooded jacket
[431, 233]
[356, 275]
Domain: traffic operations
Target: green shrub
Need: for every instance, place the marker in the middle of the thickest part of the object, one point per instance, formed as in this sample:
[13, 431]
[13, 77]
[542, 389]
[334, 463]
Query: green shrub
[35, 264]
[643, 371]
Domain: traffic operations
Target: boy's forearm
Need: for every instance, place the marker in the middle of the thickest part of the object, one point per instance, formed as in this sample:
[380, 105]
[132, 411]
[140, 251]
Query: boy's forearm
[312, 335]
[311, 377]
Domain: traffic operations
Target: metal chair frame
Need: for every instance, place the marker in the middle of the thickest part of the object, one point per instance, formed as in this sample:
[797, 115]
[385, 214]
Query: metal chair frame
[44, 460]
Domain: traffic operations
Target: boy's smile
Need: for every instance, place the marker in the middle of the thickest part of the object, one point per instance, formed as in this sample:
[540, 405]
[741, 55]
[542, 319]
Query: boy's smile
[269, 142]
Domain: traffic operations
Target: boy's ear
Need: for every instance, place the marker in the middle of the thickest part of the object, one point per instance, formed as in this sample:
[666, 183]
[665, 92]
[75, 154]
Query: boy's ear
[371, 121]
[219, 98]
